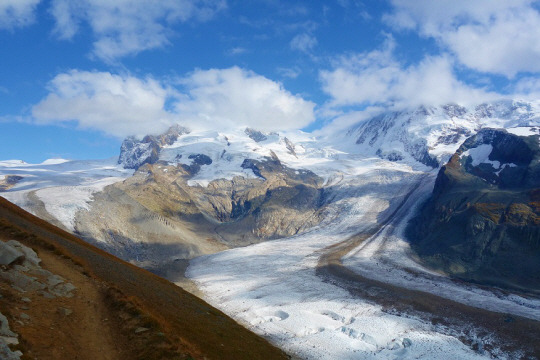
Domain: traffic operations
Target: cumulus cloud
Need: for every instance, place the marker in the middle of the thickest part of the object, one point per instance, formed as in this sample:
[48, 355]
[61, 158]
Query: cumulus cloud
[237, 97]
[303, 42]
[122, 105]
[17, 13]
[378, 78]
[117, 105]
[492, 36]
[124, 27]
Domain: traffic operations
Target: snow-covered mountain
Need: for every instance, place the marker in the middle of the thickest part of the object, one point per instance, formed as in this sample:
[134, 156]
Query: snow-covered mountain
[430, 135]
[169, 198]
[421, 136]
[420, 139]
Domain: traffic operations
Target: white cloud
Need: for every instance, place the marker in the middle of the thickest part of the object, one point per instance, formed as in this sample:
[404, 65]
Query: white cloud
[17, 13]
[527, 88]
[303, 42]
[124, 27]
[237, 51]
[117, 105]
[378, 78]
[291, 73]
[236, 97]
[492, 36]
[123, 105]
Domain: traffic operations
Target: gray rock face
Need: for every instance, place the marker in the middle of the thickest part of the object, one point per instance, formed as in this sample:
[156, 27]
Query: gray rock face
[30, 277]
[290, 147]
[255, 135]
[135, 153]
[4, 327]
[7, 354]
[9, 181]
[7, 337]
[198, 160]
[9, 254]
[29, 254]
[482, 222]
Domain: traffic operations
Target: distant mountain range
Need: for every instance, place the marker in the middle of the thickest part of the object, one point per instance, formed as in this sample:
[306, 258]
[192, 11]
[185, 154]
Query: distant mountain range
[185, 193]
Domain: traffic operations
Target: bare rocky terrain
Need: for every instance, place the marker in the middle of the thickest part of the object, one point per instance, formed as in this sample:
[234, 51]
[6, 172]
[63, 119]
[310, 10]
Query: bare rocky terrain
[482, 222]
[159, 221]
[62, 298]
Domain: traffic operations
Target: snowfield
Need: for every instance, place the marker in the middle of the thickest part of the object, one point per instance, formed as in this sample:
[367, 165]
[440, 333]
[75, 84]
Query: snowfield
[273, 287]
[375, 174]
[63, 186]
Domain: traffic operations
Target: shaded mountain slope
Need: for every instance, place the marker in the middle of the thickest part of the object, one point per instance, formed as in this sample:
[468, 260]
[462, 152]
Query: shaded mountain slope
[146, 316]
[482, 222]
[160, 220]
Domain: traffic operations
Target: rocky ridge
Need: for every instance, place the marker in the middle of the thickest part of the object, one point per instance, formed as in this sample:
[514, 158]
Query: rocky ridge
[430, 135]
[482, 222]
[134, 152]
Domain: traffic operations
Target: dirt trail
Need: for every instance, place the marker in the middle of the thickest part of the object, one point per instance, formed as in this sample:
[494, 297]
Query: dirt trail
[511, 333]
[118, 311]
[74, 327]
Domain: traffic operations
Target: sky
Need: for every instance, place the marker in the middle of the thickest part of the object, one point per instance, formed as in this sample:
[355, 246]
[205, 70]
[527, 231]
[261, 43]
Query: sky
[78, 76]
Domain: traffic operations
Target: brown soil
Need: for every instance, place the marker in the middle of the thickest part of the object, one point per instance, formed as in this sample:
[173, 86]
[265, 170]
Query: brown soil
[52, 333]
[113, 299]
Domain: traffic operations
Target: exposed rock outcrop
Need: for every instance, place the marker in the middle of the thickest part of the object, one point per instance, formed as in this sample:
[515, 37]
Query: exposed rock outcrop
[22, 272]
[135, 153]
[9, 181]
[160, 218]
[482, 222]
[255, 135]
[26, 275]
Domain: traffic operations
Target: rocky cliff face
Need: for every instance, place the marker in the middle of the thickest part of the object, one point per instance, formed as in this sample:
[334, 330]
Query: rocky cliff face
[159, 217]
[134, 152]
[482, 222]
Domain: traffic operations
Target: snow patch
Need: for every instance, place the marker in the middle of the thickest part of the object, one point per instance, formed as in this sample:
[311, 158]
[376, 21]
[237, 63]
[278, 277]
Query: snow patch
[524, 131]
[480, 155]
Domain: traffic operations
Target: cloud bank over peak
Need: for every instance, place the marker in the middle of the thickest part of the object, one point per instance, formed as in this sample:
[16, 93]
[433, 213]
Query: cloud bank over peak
[378, 78]
[122, 105]
[234, 97]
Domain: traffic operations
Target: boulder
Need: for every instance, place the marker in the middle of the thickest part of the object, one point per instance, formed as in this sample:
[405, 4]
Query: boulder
[9, 254]
[7, 354]
[29, 254]
[4, 327]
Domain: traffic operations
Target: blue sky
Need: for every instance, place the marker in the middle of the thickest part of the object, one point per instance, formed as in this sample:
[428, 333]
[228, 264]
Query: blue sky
[77, 76]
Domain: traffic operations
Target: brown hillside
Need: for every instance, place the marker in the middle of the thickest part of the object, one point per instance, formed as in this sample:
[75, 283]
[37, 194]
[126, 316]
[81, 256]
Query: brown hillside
[119, 311]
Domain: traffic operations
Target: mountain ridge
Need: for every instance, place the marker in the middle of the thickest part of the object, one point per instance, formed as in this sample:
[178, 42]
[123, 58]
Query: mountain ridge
[482, 222]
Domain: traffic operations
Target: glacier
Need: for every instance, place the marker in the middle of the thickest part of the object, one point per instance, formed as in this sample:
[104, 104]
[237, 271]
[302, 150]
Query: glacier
[376, 173]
